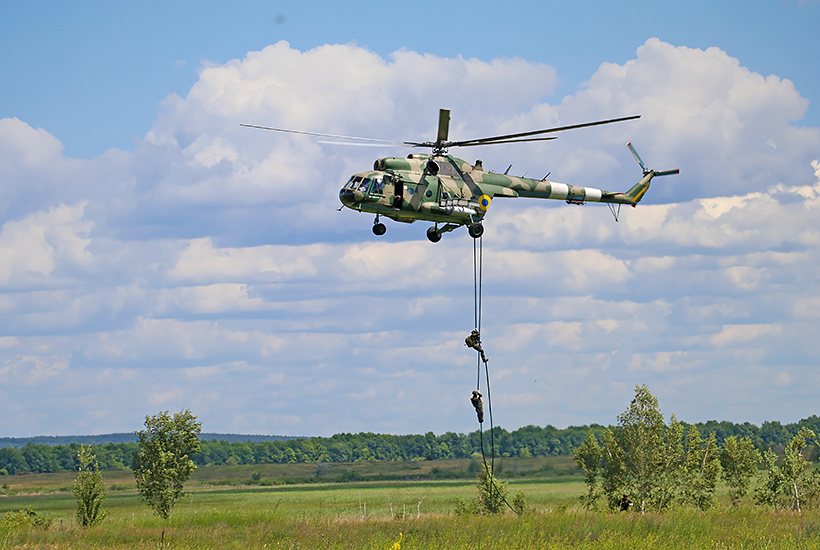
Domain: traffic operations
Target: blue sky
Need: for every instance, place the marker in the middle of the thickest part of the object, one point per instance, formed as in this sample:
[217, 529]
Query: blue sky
[93, 73]
[156, 256]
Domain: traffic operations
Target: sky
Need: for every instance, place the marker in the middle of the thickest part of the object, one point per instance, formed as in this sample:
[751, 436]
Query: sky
[154, 255]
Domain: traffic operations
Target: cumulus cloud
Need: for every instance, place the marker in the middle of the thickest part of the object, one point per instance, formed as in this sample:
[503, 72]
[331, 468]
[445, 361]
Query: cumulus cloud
[208, 267]
[728, 127]
[34, 247]
[202, 261]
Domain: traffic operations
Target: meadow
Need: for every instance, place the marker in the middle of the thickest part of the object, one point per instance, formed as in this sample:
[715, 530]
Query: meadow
[304, 506]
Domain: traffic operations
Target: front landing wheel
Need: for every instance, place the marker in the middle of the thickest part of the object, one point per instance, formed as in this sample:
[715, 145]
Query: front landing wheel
[379, 229]
[476, 230]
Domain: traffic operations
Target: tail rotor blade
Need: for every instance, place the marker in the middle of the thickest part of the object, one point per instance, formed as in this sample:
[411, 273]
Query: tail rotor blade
[637, 157]
[667, 172]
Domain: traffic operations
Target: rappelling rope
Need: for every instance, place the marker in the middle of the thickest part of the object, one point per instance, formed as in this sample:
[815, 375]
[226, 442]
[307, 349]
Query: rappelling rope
[478, 268]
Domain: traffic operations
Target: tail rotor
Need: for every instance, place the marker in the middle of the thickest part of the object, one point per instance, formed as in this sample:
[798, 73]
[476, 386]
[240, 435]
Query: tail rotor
[647, 171]
[636, 193]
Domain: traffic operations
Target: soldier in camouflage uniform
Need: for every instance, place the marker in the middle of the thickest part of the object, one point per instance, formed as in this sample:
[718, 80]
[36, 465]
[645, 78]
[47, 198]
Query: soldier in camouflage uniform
[474, 341]
[479, 406]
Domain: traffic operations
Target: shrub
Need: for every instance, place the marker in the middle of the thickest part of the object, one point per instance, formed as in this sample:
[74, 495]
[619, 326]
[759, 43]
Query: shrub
[27, 517]
[88, 488]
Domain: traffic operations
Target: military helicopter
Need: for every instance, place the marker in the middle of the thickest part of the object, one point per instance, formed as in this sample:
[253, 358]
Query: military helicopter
[451, 192]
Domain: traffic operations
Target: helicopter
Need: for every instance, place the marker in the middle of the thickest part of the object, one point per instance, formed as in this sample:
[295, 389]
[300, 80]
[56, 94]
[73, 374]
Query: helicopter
[451, 192]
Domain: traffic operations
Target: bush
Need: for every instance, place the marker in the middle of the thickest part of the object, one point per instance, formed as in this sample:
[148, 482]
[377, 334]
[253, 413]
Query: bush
[88, 488]
[519, 503]
[27, 517]
[465, 508]
[491, 499]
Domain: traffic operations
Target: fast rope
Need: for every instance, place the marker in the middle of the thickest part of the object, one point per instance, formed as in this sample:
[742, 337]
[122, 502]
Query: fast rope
[474, 341]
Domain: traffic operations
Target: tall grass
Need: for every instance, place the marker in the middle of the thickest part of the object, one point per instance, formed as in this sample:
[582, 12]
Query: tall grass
[371, 516]
[556, 530]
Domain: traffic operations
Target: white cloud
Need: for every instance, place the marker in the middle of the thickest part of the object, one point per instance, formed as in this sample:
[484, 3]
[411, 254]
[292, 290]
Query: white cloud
[202, 262]
[31, 370]
[26, 149]
[661, 361]
[737, 334]
[215, 298]
[32, 248]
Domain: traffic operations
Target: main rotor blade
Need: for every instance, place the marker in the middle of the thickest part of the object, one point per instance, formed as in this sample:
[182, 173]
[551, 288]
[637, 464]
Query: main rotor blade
[443, 125]
[501, 139]
[505, 141]
[331, 135]
[352, 144]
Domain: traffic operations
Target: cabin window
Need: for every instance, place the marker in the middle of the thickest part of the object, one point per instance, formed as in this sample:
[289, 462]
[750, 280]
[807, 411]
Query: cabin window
[378, 186]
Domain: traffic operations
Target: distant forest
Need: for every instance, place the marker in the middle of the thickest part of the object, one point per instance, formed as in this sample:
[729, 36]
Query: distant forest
[523, 442]
[129, 437]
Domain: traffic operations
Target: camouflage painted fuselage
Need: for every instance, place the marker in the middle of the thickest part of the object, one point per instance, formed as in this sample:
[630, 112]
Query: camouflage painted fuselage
[445, 189]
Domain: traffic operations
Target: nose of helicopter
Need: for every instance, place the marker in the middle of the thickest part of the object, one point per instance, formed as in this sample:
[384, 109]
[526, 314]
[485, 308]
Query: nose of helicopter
[349, 196]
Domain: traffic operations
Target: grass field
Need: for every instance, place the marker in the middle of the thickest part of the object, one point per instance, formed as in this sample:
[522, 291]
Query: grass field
[276, 512]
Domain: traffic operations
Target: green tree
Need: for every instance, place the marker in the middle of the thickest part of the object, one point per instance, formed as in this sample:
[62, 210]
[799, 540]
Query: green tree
[770, 490]
[588, 456]
[795, 468]
[88, 488]
[642, 439]
[12, 460]
[643, 458]
[40, 458]
[163, 463]
[739, 460]
[670, 468]
[786, 483]
[612, 472]
[701, 468]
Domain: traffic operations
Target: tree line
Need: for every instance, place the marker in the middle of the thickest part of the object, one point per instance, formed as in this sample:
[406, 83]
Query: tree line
[130, 437]
[523, 442]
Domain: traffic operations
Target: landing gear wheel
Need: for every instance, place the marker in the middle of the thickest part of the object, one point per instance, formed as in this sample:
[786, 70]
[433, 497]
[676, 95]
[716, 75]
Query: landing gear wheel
[379, 229]
[476, 230]
[433, 235]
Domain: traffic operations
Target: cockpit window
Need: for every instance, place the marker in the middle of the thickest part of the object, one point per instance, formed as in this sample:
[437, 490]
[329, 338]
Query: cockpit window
[363, 185]
[353, 182]
[360, 183]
